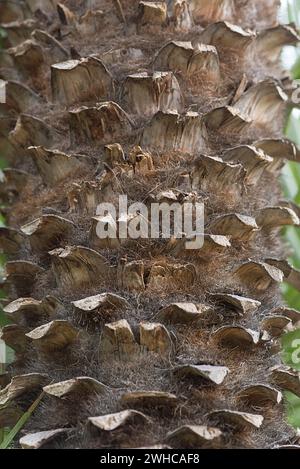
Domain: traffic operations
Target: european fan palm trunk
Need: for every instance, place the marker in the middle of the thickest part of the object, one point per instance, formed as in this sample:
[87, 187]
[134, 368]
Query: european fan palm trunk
[170, 102]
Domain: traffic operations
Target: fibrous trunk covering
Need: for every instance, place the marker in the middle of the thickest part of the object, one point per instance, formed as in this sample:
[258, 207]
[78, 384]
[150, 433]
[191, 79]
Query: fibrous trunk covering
[141, 342]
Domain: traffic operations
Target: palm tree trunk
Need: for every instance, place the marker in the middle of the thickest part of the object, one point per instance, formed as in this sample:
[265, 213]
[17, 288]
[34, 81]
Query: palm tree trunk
[164, 102]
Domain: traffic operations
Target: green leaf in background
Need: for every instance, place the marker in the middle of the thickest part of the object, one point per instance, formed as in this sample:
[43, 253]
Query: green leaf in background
[291, 184]
[10, 436]
[291, 354]
[2, 37]
[9, 355]
[293, 409]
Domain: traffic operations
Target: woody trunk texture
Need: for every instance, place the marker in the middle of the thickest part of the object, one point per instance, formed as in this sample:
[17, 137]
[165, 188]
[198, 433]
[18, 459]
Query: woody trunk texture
[143, 343]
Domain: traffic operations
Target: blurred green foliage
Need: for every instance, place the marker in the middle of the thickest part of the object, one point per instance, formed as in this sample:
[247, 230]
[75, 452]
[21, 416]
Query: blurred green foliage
[2, 37]
[3, 320]
[291, 184]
